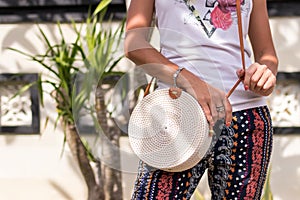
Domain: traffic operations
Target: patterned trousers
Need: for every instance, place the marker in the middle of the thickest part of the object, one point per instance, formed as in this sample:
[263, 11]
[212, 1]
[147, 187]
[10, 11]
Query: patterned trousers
[237, 164]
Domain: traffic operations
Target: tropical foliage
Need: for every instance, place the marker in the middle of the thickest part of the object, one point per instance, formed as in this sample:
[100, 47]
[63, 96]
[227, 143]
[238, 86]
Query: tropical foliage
[91, 55]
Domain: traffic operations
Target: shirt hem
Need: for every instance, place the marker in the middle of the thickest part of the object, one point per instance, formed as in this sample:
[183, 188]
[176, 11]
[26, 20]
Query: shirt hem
[248, 105]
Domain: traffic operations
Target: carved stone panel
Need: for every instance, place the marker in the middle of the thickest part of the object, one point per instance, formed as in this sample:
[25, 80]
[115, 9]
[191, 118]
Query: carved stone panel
[19, 114]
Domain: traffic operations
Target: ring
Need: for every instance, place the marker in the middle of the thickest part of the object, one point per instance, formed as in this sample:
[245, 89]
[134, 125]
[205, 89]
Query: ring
[220, 108]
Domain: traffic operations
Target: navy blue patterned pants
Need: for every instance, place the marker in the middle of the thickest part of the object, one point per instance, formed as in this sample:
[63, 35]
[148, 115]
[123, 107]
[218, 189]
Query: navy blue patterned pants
[237, 164]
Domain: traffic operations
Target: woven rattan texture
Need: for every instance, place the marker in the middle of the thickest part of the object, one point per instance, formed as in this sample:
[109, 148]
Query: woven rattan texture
[169, 134]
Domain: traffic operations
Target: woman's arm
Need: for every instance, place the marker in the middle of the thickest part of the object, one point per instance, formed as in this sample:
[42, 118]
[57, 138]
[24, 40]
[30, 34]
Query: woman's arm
[138, 49]
[260, 77]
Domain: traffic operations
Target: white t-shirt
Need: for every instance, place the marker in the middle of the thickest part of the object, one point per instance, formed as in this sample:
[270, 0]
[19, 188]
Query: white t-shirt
[202, 36]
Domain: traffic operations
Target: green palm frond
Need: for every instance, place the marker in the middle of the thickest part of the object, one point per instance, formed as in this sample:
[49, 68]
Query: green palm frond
[91, 55]
[101, 6]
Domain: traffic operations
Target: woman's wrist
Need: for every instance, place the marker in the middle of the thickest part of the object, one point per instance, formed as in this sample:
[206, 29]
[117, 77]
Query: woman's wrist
[188, 81]
[175, 76]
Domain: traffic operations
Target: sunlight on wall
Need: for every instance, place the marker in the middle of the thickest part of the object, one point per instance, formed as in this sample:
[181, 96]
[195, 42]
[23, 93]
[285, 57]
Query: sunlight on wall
[286, 32]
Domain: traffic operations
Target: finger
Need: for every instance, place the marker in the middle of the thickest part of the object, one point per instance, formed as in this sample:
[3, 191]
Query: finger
[240, 73]
[220, 110]
[258, 86]
[248, 75]
[215, 112]
[266, 82]
[269, 91]
[254, 80]
[222, 114]
[266, 92]
[228, 112]
[263, 85]
[211, 131]
[260, 77]
[270, 82]
[263, 80]
[208, 114]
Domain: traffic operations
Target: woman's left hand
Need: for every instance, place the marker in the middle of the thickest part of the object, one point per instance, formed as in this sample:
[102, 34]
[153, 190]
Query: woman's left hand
[258, 79]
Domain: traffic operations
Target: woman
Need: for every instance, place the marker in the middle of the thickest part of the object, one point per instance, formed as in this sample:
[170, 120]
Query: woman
[200, 38]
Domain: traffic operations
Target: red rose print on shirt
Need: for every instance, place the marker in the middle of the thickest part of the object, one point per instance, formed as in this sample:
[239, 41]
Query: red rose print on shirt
[221, 15]
[228, 5]
[214, 14]
[221, 19]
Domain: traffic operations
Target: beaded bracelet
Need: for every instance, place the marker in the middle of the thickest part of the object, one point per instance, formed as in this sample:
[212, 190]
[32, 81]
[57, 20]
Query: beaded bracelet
[175, 75]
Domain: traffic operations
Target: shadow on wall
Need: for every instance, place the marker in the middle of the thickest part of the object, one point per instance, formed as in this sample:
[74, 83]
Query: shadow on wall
[58, 183]
[24, 37]
[58, 188]
[18, 36]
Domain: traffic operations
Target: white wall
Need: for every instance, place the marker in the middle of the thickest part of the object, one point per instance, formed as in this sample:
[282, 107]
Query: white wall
[31, 166]
[286, 33]
[285, 176]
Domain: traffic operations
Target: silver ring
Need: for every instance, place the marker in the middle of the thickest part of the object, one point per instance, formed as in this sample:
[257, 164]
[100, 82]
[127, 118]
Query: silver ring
[220, 108]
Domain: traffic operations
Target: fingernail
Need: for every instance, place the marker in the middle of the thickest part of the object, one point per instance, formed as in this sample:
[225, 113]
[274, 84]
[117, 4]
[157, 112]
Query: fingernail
[211, 132]
[246, 87]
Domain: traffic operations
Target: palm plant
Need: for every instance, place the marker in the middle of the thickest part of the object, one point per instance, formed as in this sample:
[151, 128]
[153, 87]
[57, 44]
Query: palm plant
[63, 60]
[102, 49]
[59, 60]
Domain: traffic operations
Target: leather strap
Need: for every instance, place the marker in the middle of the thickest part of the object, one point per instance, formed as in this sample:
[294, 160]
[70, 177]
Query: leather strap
[242, 48]
[240, 28]
[147, 90]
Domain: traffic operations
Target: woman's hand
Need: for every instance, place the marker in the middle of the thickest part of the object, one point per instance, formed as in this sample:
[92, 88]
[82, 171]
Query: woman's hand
[213, 101]
[258, 79]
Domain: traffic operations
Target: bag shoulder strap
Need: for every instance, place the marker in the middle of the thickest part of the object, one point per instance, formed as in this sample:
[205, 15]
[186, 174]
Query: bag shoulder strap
[242, 48]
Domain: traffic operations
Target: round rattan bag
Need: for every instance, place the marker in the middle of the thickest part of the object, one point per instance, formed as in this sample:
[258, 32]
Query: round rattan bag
[169, 133]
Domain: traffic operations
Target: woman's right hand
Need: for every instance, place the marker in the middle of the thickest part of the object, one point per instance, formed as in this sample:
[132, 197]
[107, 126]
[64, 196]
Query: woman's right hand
[213, 101]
